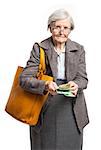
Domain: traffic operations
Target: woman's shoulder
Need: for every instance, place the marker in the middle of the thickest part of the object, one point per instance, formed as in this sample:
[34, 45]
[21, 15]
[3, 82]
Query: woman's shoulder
[45, 43]
[46, 40]
[76, 45]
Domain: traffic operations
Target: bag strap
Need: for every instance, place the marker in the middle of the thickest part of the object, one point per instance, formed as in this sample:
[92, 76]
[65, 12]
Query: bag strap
[42, 65]
[42, 59]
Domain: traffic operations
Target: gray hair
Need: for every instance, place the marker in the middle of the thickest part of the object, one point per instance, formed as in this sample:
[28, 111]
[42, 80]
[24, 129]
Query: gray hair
[60, 14]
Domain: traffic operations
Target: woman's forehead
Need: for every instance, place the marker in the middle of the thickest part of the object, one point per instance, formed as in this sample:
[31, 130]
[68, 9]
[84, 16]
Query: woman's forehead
[62, 22]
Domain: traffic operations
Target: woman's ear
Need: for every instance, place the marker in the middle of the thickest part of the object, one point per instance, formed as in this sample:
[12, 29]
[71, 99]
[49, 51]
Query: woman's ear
[50, 29]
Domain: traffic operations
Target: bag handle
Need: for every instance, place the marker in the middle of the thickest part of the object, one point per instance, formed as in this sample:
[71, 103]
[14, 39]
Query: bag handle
[42, 59]
[42, 65]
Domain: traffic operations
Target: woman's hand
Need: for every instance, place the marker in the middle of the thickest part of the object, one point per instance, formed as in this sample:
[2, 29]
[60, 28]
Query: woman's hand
[73, 87]
[51, 87]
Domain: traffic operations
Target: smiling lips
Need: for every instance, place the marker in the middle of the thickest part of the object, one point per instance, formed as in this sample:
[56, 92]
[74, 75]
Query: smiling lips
[61, 36]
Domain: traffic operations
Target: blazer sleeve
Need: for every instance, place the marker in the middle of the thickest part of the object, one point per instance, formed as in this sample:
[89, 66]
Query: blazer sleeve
[27, 79]
[81, 77]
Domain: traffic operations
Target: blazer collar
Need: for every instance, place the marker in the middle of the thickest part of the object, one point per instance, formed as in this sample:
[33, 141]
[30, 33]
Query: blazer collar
[71, 46]
[46, 44]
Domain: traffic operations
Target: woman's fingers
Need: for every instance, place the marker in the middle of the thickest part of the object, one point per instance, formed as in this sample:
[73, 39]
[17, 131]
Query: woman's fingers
[73, 87]
[51, 86]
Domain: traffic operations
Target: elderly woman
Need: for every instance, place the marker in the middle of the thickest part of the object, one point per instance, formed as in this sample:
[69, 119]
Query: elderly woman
[62, 119]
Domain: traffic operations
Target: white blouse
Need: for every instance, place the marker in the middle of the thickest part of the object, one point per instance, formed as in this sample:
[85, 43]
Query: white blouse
[61, 65]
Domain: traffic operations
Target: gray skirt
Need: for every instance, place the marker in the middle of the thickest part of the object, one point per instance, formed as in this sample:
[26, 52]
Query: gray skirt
[58, 130]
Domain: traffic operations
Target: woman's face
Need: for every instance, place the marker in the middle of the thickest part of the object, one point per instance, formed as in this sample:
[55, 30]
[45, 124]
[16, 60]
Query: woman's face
[60, 31]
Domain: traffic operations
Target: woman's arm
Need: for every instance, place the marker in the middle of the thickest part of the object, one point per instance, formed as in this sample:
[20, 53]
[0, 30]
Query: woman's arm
[27, 79]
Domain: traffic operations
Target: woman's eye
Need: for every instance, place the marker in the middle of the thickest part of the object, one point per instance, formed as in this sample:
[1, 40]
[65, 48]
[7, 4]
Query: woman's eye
[58, 27]
[65, 28]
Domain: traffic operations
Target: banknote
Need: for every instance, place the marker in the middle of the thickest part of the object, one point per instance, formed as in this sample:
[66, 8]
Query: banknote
[65, 90]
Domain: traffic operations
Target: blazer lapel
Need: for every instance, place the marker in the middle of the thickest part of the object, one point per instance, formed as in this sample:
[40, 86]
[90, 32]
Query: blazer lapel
[51, 54]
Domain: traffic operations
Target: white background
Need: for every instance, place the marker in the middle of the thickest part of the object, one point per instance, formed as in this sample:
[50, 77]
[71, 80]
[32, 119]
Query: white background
[23, 22]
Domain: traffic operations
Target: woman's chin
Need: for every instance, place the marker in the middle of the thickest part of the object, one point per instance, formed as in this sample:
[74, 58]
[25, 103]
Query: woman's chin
[61, 40]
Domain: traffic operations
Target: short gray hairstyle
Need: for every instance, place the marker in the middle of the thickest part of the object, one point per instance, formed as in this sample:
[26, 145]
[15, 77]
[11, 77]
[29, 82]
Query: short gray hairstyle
[60, 14]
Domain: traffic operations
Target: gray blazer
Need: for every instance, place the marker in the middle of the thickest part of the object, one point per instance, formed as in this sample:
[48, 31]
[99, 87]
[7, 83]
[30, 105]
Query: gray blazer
[75, 71]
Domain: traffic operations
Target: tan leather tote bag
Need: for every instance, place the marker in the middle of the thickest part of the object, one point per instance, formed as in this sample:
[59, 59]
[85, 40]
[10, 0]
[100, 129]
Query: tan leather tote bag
[25, 106]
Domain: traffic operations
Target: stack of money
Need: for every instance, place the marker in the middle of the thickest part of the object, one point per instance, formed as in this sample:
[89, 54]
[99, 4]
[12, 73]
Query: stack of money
[65, 90]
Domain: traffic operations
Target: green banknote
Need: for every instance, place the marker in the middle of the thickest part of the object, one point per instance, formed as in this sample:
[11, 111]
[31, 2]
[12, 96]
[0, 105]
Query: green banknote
[65, 90]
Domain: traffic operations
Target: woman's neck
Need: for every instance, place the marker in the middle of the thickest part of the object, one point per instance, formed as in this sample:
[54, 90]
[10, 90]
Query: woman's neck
[60, 46]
